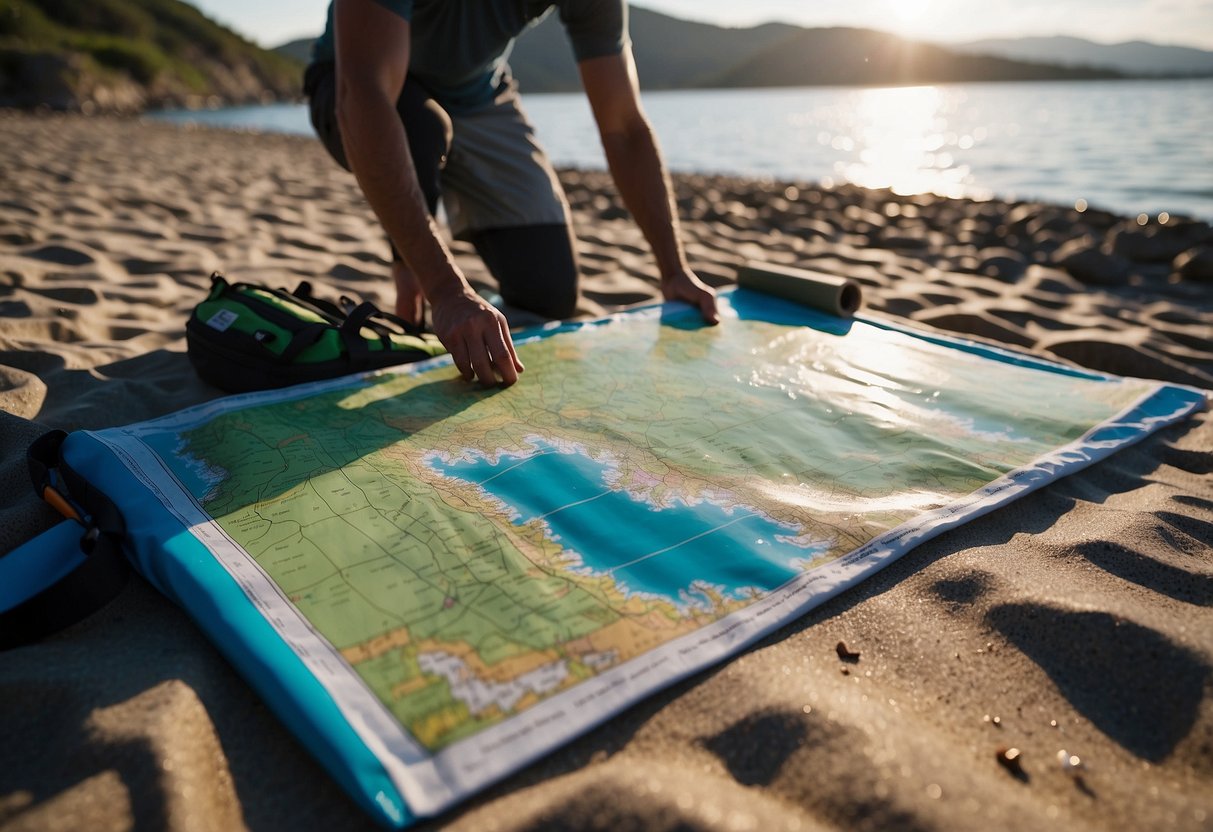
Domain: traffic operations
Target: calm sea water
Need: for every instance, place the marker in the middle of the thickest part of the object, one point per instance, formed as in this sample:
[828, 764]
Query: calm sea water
[1127, 146]
[648, 550]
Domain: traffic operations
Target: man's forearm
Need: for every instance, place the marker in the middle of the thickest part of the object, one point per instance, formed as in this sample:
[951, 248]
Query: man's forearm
[372, 68]
[641, 178]
[377, 149]
[640, 175]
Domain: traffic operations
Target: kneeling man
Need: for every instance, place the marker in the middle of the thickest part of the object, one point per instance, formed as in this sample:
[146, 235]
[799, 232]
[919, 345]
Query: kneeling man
[415, 97]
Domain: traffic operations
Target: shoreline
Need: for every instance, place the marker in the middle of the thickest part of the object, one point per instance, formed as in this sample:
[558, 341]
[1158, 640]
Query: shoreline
[1077, 619]
[1077, 148]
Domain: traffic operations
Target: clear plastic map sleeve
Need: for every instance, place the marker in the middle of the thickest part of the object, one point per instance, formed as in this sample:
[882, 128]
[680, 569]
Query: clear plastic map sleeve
[433, 584]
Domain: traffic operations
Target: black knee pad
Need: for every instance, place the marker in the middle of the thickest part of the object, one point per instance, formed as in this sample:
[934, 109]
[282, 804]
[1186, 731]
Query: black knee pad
[535, 266]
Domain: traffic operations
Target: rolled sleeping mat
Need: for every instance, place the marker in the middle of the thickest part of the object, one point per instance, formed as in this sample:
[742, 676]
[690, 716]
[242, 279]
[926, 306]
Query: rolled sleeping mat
[826, 292]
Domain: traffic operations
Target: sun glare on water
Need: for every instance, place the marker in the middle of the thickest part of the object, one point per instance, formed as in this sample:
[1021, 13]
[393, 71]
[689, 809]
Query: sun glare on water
[901, 141]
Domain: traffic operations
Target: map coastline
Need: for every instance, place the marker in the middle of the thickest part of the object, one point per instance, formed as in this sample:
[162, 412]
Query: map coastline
[793, 547]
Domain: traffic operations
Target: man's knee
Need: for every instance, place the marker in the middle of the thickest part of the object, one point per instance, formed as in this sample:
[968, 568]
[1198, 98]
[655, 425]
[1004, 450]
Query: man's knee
[535, 267]
[556, 299]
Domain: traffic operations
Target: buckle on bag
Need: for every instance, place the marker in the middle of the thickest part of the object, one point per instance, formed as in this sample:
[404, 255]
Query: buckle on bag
[61, 502]
[48, 472]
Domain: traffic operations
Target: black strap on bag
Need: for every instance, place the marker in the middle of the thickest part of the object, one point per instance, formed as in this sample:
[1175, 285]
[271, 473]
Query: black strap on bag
[346, 309]
[103, 571]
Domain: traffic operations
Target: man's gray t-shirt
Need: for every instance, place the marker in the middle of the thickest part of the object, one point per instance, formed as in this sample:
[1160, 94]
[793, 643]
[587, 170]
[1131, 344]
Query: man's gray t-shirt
[458, 48]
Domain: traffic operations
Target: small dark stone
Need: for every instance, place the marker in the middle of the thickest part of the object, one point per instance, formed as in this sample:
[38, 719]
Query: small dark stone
[897, 238]
[845, 654]
[1002, 263]
[1066, 223]
[1154, 243]
[810, 227]
[1195, 264]
[1009, 758]
[1084, 260]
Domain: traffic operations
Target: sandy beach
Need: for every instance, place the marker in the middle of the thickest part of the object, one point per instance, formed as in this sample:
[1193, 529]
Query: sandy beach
[1079, 618]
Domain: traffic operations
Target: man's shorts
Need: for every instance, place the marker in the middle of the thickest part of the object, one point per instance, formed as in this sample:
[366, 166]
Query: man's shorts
[496, 175]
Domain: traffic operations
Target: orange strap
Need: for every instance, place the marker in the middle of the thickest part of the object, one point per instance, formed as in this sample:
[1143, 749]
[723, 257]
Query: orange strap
[59, 504]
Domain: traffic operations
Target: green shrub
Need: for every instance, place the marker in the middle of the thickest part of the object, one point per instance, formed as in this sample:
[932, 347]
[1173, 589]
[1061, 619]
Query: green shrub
[120, 18]
[23, 20]
[142, 61]
[166, 43]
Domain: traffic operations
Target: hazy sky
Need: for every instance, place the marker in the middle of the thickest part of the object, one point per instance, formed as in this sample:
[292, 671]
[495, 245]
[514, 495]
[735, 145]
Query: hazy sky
[1183, 22]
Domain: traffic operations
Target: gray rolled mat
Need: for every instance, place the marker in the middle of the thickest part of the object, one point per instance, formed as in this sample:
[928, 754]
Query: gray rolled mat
[836, 295]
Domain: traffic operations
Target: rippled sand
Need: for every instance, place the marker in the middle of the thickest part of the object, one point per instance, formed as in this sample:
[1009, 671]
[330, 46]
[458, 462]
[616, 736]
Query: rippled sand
[1078, 618]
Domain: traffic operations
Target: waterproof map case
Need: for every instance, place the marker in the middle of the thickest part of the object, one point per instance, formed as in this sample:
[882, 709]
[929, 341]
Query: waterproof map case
[434, 583]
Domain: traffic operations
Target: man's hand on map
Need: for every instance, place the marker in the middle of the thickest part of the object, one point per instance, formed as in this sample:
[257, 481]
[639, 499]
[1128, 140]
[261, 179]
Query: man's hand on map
[477, 337]
[686, 285]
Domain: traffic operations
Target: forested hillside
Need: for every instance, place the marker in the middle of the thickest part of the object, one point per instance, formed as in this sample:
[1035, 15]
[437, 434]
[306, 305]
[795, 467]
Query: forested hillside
[129, 55]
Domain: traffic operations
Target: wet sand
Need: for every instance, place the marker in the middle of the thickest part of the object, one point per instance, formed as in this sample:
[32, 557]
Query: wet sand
[1078, 618]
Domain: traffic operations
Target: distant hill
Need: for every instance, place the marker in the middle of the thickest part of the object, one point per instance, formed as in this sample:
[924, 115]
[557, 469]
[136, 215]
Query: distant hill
[129, 55]
[1132, 58]
[672, 53]
[862, 56]
[297, 50]
[678, 54]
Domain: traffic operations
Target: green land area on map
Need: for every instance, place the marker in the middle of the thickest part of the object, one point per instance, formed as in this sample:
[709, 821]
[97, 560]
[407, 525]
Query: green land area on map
[459, 610]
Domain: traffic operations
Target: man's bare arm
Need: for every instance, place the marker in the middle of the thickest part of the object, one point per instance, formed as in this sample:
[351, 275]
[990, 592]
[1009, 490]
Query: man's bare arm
[640, 175]
[372, 62]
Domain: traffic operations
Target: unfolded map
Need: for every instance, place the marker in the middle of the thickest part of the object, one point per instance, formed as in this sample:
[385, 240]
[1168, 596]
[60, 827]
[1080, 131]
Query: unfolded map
[495, 564]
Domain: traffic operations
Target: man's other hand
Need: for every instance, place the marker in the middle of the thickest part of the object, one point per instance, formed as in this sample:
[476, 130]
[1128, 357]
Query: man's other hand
[478, 338]
[686, 285]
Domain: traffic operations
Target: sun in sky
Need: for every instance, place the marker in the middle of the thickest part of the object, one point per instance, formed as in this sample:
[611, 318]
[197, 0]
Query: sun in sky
[928, 19]
[908, 11]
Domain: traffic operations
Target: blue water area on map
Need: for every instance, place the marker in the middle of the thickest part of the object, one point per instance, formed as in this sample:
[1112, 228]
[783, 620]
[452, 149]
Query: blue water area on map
[648, 550]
